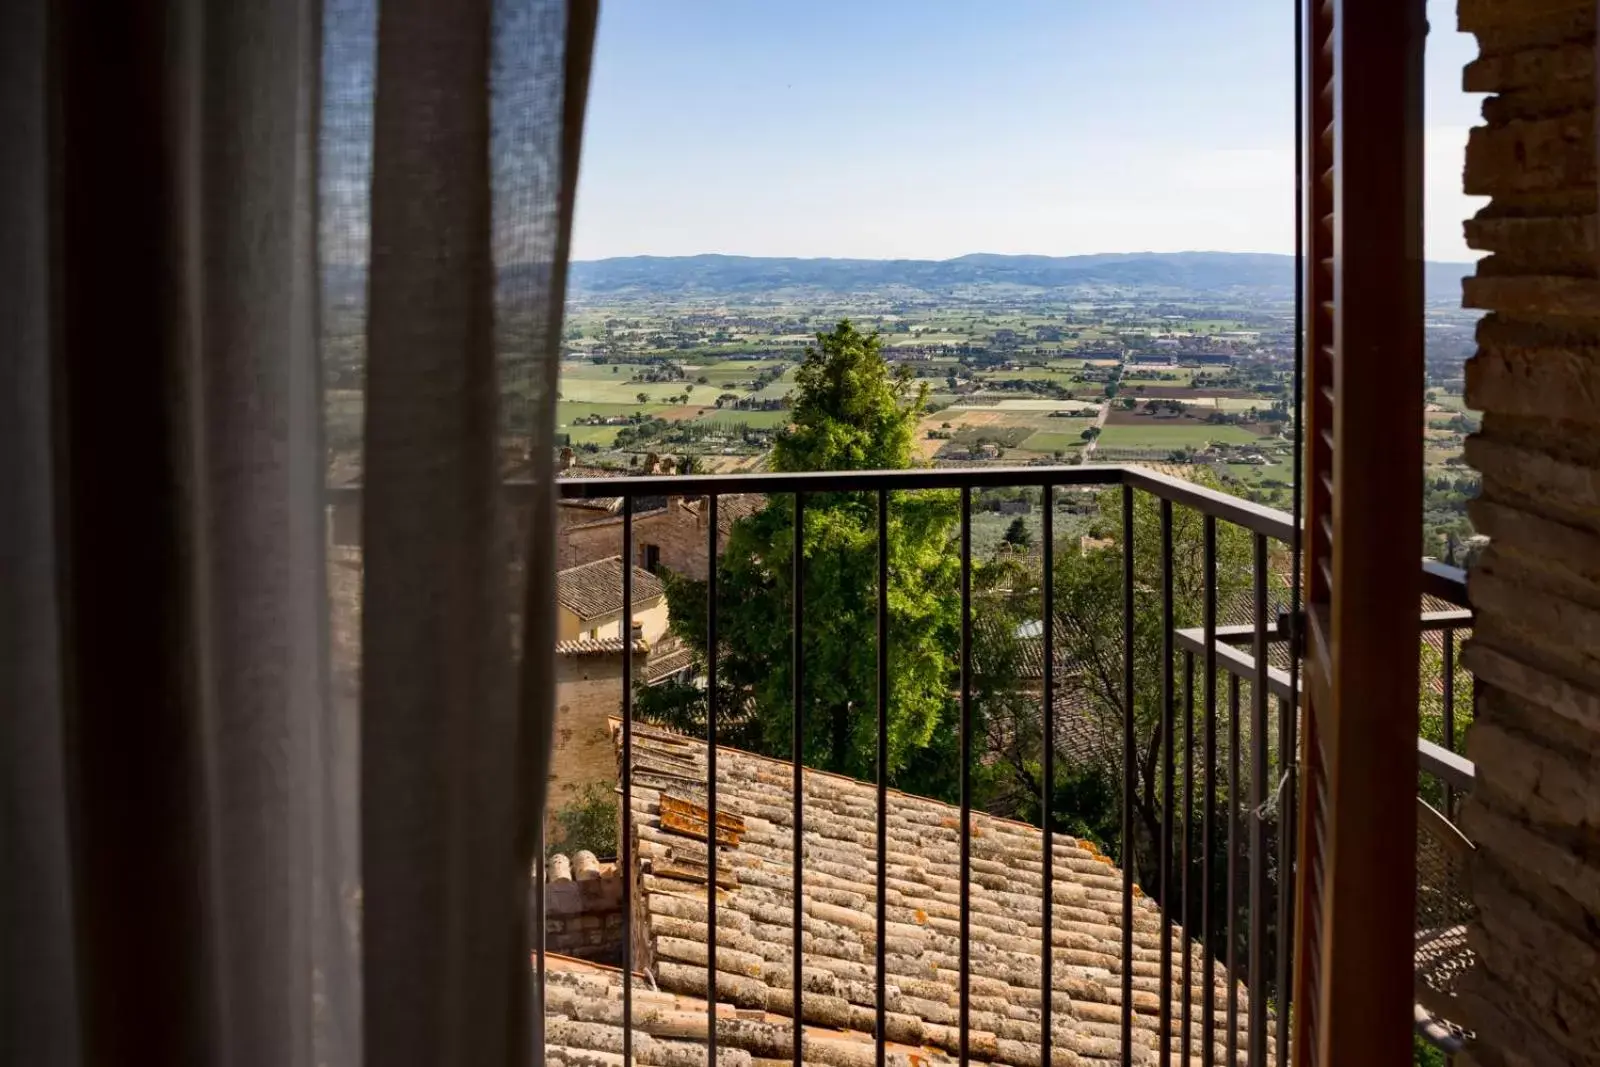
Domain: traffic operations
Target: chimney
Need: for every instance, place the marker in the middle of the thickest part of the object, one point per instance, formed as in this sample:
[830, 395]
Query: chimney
[565, 462]
[635, 634]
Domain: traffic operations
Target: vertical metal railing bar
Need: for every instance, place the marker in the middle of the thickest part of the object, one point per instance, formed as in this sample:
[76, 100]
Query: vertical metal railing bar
[1168, 780]
[797, 596]
[1288, 820]
[625, 852]
[1233, 869]
[1289, 827]
[1448, 683]
[1208, 1011]
[1047, 789]
[1129, 852]
[965, 978]
[881, 992]
[539, 874]
[1186, 1030]
[711, 780]
[1258, 828]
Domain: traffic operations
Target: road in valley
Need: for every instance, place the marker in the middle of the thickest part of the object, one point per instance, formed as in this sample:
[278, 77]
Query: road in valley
[1105, 413]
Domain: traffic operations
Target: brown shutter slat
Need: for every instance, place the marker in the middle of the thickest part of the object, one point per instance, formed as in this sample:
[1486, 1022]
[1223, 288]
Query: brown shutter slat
[1362, 111]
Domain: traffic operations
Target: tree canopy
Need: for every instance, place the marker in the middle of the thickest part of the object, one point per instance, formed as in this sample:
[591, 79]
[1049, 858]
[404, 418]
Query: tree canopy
[850, 413]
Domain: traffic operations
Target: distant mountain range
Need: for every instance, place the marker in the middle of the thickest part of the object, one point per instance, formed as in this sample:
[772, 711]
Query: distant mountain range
[1218, 273]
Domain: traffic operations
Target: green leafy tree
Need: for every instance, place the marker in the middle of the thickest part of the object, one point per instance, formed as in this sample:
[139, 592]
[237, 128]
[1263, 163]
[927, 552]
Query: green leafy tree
[588, 822]
[1017, 534]
[850, 413]
[1089, 645]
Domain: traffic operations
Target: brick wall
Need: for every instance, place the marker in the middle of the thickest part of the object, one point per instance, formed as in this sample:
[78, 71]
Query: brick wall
[1534, 997]
[679, 533]
[588, 695]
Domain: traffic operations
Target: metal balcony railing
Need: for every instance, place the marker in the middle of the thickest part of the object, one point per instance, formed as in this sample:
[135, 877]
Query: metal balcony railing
[1228, 700]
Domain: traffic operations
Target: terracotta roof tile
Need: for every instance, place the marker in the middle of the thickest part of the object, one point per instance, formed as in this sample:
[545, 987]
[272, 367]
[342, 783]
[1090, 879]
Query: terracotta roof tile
[595, 589]
[755, 872]
[597, 646]
[669, 657]
[580, 866]
[730, 508]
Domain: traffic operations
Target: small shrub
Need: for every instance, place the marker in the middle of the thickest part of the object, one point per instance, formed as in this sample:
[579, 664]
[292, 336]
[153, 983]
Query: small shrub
[588, 823]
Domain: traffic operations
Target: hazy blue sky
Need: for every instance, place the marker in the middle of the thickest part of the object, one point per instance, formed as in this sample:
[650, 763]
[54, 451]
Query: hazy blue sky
[932, 128]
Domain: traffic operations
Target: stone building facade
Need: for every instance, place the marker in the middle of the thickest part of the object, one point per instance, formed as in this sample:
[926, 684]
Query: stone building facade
[1534, 812]
[588, 696]
[671, 536]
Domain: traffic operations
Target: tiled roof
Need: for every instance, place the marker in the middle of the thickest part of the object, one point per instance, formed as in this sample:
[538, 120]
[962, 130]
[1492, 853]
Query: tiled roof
[667, 659]
[730, 509]
[597, 646]
[754, 938]
[595, 589]
[580, 866]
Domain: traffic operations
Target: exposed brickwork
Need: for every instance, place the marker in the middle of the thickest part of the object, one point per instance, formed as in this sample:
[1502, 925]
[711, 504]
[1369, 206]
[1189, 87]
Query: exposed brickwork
[1535, 812]
[588, 695]
[678, 532]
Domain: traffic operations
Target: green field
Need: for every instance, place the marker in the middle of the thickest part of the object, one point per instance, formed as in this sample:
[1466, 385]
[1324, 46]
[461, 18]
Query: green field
[599, 391]
[753, 419]
[778, 389]
[575, 370]
[1156, 436]
[1032, 374]
[1046, 441]
[1165, 376]
[1004, 435]
[604, 436]
[568, 411]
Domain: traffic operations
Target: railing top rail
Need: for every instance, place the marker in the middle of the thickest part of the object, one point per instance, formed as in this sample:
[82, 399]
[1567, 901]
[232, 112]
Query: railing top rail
[1445, 582]
[1455, 771]
[1258, 518]
[1255, 517]
[769, 482]
[1270, 522]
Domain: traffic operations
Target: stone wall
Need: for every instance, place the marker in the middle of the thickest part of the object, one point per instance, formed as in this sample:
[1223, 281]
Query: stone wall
[583, 908]
[679, 533]
[588, 696]
[1534, 997]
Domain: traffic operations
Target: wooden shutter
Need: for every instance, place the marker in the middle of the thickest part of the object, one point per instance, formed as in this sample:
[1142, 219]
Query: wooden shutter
[1361, 101]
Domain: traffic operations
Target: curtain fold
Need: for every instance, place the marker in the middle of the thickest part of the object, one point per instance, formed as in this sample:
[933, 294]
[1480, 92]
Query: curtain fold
[193, 874]
[437, 719]
[38, 1010]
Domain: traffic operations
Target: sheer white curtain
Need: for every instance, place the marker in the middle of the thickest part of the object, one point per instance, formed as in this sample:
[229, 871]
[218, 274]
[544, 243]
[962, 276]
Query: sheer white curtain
[221, 841]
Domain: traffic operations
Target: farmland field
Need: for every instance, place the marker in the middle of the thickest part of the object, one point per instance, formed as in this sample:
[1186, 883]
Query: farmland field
[570, 411]
[1049, 441]
[962, 345]
[1164, 376]
[1189, 435]
[1175, 392]
[730, 417]
[600, 391]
